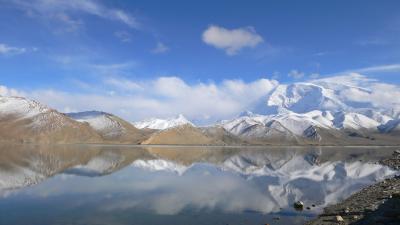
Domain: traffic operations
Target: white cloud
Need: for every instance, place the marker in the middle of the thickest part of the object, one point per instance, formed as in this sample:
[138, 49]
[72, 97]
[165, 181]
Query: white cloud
[231, 41]
[362, 89]
[123, 84]
[296, 74]
[51, 8]
[160, 48]
[5, 91]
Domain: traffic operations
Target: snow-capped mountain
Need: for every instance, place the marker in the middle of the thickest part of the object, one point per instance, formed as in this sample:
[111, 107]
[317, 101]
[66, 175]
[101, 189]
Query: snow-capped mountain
[162, 124]
[109, 126]
[307, 109]
[290, 126]
[347, 93]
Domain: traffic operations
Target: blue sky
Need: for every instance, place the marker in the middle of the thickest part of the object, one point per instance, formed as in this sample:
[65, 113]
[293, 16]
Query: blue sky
[95, 47]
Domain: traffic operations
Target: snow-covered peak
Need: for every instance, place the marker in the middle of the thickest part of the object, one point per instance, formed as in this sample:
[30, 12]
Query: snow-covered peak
[21, 107]
[301, 98]
[162, 124]
[346, 94]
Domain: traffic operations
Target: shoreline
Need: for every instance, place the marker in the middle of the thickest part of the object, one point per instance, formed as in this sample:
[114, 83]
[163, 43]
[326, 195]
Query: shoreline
[203, 146]
[376, 204]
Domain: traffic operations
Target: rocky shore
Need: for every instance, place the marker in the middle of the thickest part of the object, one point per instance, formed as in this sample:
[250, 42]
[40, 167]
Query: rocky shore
[376, 204]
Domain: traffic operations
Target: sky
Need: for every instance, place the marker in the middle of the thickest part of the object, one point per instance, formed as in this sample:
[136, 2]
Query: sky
[110, 55]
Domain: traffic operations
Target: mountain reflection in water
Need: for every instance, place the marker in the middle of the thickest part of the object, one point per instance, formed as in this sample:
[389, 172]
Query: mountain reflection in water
[88, 184]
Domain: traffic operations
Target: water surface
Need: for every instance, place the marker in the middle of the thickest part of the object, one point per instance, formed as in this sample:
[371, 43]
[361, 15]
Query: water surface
[83, 184]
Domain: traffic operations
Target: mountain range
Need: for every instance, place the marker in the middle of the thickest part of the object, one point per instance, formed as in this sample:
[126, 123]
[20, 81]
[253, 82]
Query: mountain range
[319, 112]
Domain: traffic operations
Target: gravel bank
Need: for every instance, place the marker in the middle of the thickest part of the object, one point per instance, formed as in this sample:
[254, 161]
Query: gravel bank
[376, 204]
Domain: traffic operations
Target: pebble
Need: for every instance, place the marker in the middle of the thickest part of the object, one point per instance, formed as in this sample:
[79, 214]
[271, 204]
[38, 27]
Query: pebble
[339, 219]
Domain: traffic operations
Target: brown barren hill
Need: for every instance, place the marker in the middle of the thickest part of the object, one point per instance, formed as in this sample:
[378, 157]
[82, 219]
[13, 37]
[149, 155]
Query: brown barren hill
[27, 121]
[181, 135]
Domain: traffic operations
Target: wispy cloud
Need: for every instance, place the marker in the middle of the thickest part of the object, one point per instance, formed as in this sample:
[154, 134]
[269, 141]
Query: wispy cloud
[112, 69]
[124, 36]
[160, 48]
[231, 41]
[54, 8]
[123, 84]
[71, 25]
[381, 69]
[372, 41]
[12, 50]
[295, 74]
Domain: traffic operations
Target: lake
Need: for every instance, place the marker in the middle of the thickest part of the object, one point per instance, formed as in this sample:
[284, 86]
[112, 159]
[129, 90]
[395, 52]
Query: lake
[105, 184]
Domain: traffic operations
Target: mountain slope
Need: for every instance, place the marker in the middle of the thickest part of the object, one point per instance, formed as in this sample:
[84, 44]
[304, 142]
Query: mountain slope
[161, 124]
[111, 127]
[24, 120]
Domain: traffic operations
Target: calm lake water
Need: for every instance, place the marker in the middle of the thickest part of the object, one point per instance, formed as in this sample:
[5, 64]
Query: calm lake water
[78, 184]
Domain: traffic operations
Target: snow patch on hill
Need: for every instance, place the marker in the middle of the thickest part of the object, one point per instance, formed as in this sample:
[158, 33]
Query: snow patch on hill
[100, 121]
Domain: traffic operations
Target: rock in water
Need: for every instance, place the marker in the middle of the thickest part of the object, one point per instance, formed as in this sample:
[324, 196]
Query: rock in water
[299, 205]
